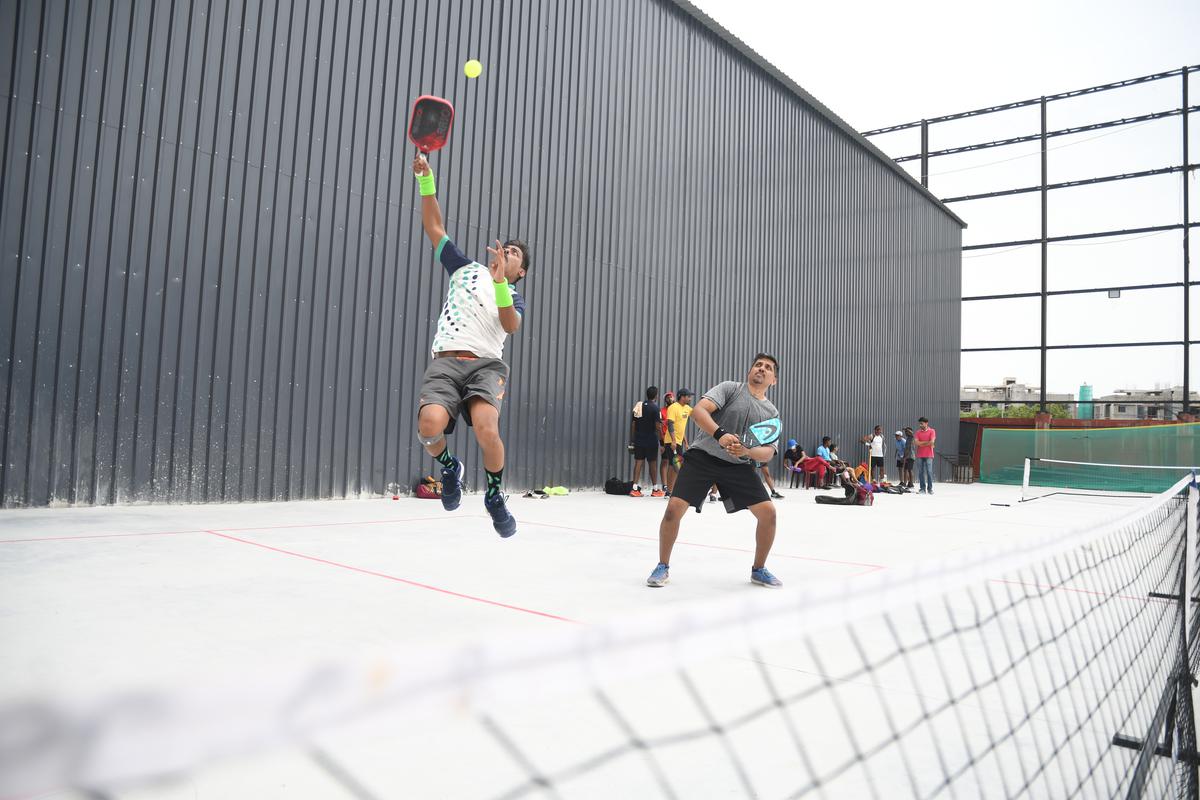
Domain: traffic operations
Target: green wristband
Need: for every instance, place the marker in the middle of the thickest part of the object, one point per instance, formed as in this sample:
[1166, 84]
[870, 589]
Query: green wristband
[503, 295]
[426, 185]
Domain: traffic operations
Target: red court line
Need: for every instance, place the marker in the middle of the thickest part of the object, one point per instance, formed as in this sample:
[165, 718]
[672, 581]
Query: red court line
[392, 578]
[208, 530]
[871, 567]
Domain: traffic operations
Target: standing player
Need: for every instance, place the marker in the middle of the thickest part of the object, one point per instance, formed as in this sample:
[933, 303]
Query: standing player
[724, 413]
[467, 375]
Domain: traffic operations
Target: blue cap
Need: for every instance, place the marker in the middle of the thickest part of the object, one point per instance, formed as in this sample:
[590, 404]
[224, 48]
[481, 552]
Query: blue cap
[791, 443]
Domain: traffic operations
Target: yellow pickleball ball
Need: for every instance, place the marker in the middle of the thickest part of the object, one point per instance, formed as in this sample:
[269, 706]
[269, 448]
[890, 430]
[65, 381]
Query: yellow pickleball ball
[472, 69]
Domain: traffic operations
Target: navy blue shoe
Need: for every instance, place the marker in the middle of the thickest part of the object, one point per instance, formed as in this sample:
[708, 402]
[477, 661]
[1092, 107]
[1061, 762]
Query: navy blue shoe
[452, 485]
[502, 521]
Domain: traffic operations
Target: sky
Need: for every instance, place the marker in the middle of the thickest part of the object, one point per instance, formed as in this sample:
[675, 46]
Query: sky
[876, 64]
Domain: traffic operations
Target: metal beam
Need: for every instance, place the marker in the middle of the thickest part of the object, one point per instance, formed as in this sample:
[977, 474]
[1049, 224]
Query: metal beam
[1024, 103]
[1076, 236]
[1175, 343]
[1097, 290]
[1095, 126]
[1069, 184]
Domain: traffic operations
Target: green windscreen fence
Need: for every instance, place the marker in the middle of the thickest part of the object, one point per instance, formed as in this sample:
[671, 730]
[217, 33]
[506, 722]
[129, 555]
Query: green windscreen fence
[1004, 451]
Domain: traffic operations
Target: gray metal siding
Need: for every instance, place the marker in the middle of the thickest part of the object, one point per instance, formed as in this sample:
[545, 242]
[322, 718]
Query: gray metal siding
[215, 286]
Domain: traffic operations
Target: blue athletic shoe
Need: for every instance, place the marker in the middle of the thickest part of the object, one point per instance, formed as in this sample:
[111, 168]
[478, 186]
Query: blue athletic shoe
[452, 485]
[763, 577]
[502, 521]
[659, 576]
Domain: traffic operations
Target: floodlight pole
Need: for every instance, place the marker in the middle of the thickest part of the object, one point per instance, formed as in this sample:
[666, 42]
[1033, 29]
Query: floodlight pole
[1187, 277]
[925, 150]
[1045, 245]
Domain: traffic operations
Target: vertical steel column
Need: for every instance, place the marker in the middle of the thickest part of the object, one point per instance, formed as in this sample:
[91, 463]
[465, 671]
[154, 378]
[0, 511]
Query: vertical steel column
[925, 151]
[1045, 233]
[1187, 261]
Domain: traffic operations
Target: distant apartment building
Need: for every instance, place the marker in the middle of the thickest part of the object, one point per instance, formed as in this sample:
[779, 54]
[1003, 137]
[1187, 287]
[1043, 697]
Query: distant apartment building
[1160, 403]
[972, 399]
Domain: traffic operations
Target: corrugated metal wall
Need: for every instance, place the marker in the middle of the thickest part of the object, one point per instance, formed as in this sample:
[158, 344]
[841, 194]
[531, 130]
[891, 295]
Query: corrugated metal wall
[215, 286]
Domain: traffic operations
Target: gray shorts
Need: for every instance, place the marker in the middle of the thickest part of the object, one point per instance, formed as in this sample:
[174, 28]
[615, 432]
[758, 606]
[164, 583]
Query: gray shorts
[450, 382]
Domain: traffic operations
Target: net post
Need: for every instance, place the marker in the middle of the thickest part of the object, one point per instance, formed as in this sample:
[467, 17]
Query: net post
[1183, 753]
[1025, 482]
[1189, 559]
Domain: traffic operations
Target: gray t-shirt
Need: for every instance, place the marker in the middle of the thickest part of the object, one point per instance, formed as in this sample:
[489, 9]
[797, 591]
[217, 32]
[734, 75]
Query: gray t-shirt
[737, 410]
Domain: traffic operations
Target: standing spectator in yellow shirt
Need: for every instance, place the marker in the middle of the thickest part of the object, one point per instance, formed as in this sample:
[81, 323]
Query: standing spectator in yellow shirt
[675, 439]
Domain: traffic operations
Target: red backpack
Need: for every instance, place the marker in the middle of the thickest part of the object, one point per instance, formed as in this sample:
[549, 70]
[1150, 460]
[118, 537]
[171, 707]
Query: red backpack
[428, 488]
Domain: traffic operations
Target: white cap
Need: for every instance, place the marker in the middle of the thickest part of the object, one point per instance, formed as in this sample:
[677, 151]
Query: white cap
[899, 433]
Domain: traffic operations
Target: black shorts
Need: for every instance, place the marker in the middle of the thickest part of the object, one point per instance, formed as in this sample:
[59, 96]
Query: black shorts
[908, 463]
[876, 461]
[738, 484]
[643, 452]
[668, 451]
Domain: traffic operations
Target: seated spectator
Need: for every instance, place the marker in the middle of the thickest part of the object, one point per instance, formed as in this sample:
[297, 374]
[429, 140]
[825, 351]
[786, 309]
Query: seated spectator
[815, 469]
[836, 463]
[791, 461]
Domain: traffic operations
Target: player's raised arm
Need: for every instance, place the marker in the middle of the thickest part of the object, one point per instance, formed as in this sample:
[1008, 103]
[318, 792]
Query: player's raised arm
[499, 266]
[431, 212]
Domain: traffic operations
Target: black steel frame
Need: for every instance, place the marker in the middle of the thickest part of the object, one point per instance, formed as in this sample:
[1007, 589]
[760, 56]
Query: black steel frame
[1044, 187]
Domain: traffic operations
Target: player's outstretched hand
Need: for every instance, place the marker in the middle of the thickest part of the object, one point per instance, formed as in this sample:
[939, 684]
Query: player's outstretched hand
[420, 165]
[498, 265]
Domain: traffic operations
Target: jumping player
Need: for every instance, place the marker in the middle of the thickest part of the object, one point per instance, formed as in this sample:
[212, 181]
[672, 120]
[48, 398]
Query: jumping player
[467, 375]
[718, 456]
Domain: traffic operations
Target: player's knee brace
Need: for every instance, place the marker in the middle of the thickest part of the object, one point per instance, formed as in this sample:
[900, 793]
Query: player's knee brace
[429, 441]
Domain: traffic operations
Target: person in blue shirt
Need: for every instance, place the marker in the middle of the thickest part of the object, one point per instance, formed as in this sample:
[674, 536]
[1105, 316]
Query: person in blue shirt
[901, 454]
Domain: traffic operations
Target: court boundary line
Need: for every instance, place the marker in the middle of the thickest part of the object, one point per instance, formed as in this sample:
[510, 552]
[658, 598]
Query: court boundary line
[396, 578]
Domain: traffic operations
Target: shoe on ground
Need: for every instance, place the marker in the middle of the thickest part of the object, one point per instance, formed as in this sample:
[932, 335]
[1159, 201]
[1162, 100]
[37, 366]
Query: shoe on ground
[921, 492]
[659, 577]
[452, 485]
[776, 495]
[657, 493]
[763, 577]
[502, 521]
[636, 492]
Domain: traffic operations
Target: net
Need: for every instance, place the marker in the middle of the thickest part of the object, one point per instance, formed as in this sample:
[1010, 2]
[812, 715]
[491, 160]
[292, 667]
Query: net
[1004, 450]
[1045, 477]
[1056, 668]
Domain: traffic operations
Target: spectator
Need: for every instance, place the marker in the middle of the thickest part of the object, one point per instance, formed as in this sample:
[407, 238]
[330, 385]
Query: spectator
[677, 420]
[643, 432]
[668, 447]
[926, 439]
[901, 453]
[906, 477]
[791, 462]
[875, 443]
[766, 474]
[836, 462]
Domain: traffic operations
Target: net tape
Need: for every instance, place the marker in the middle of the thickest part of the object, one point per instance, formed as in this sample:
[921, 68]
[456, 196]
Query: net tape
[920, 644]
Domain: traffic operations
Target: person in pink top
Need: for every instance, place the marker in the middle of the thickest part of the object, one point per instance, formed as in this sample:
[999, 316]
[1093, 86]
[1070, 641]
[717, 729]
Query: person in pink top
[926, 439]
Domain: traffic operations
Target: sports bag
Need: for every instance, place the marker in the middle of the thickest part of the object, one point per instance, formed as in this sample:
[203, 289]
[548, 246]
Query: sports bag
[617, 486]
